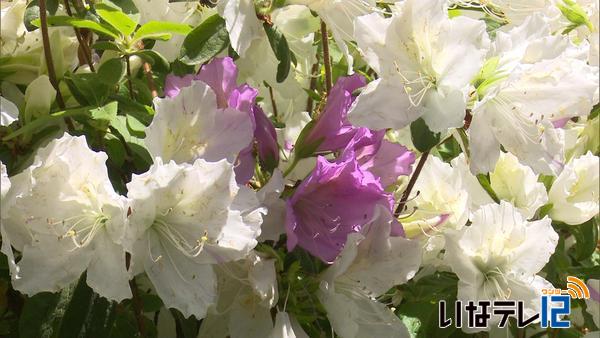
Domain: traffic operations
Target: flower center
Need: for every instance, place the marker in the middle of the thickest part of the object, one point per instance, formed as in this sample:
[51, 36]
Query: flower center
[83, 229]
[190, 248]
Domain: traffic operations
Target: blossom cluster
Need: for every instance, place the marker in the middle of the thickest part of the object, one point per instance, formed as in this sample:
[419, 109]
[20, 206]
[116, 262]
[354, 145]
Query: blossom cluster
[252, 168]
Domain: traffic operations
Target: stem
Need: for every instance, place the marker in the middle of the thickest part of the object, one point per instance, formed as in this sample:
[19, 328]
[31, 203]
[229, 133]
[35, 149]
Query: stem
[129, 83]
[273, 104]
[48, 54]
[137, 307]
[86, 52]
[326, 57]
[150, 79]
[313, 83]
[136, 301]
[149, 76]
[291, 167]
[411, 183]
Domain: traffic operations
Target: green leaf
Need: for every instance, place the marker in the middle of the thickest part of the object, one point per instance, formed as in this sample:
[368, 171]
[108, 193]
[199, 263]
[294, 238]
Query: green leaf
[423, 138]
[544, 210]
[136, 127]
[67, 314]
[282, 51]
[205, 41]
[158, 62]
[303, 149]
[116, 18]
[586, 235]
[107, 112]
[62, 20]
[107, 45]
[484, 180]
[87, 89]
[595, 111]
[575, 14]
[160, 30]
[114, 149]
[36, 312]
[111, 71]
[420, 306]
[45, 121]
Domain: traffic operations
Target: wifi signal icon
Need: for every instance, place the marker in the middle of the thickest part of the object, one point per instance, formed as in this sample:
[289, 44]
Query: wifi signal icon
[576, 288]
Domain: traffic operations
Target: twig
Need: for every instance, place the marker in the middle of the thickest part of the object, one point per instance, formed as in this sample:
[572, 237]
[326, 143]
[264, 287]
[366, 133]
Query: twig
[129, 83]
[411, 183]
[150, 79]
[149, 76]
[326, 57]
[273, 104]
[313, 84]
[48, 53]
[87, 53]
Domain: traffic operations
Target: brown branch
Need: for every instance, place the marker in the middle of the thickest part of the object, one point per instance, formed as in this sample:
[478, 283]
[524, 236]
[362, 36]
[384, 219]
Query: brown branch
[326, 57]
[85, 50]
[411, 183]
[150, 79]
[273, 104]
[48, 53]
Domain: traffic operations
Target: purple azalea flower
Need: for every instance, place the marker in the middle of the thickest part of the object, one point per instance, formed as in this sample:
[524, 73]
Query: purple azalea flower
[266, 139]
[174, 83]
[221, 76]
[336, 199]
[332, 128]
[384, 159]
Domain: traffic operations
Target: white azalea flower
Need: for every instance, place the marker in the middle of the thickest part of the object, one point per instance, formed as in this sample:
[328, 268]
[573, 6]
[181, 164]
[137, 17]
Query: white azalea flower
[440, 198]
[4, 181]
[287, 327]
[27, 60]
[247, 292]
[269, 197]
[425, 61]
[593, 303]
[537, 79]
[574, 193]
[517, 184]
[4, 207]
[39, 96]
[65, 218]
[189, 126]
[8, 112]
[367, 267]
[499, 255]
[512, 12]
[185, 218]
[241, 23]
[11, 20]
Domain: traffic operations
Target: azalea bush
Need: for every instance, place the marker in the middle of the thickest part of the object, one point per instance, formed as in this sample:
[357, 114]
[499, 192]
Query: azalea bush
[301, 168]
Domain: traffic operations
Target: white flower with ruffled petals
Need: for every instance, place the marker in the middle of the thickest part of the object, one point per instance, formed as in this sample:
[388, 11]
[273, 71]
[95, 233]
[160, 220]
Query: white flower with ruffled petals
[536, 79]
[189, 126]
[517, 184]
[574, 194]
[368, 266]
[425, 62]
[185, 218]
[65, 218]
[499, 255]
